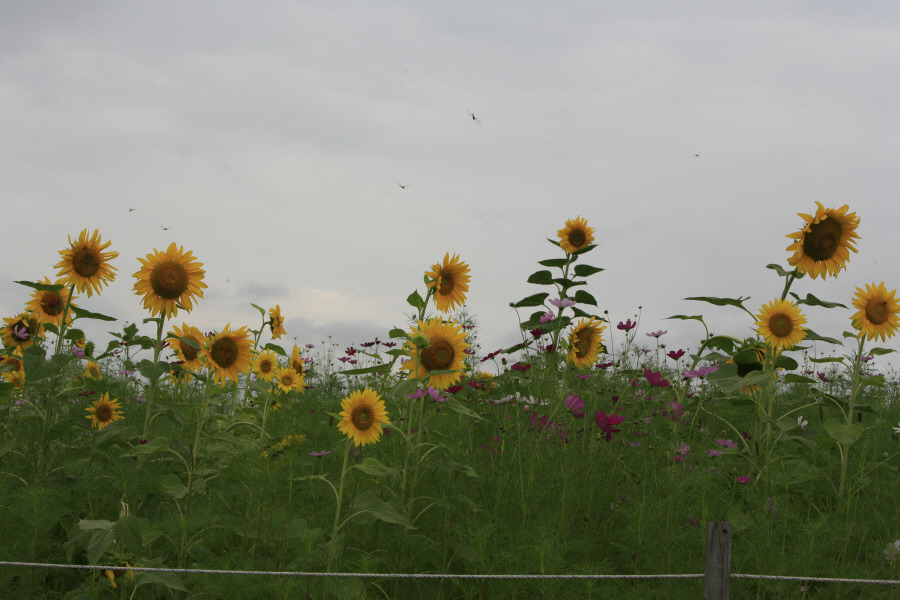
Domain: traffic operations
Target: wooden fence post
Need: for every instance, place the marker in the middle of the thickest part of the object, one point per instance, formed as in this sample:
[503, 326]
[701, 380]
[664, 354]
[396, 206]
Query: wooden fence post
[718, 560]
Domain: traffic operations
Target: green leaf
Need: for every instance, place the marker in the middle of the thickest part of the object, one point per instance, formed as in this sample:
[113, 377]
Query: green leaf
[80, 313]
[173, 485]
[541, 278]
[128, 531]
[794, 378]
[844, 434]
[42, 287]
[381, 510]
[880, 351]
[584, 250]
[827, 359]
[370, 466]
[275, 348]
[100, 542]
[153, 371]
[261, 310]
[159, 444]
[169, 580]
[687, 317]
[582, 297]
[811, 300]
[94, 524]
[785, 362]
[553, 262]
[791, 471]
[876, 380]
[457, 407]
[382, 368]
[450, 465]
[738, 302]
[586, 270]
[415, 300]
[778, 269]
[396, 333]
[533, 300]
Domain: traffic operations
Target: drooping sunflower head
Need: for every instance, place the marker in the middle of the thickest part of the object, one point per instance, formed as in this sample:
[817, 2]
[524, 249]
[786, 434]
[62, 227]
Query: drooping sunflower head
[780, 323]
[47, 306]
[20, 331]
[169, 279]
[276, 322]
[877, 316]
[363, 415]
[575, 235]
[104, 411]
[443, 351]
[85, 265]
[17, 378]
[92, 371]
[296, 361]
[450, 281]
[585, 342]
[191, 357]
[265, 364]
[823, 245]
[228, 354]
[287, 380]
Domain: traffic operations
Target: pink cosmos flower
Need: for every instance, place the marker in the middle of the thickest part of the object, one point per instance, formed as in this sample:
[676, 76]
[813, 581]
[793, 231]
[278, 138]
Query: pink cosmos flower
[657, 334]
[607, 424]
[727, 443]
[656, 379]
[562, 302]
[626, 326]
[675, 355]
[576, 405]
[547, 317]
[743, 479]
[701, 371]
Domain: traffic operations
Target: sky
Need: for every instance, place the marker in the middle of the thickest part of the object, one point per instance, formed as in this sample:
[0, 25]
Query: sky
[271, 139]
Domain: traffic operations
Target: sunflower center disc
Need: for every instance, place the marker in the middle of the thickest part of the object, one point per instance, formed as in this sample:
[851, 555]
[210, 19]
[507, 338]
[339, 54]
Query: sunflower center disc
[265, 366]
[781, 325]
[582, 343]
[577, 238]
[362, 418]
[51, 304]
[169, 280]
[224, 352]
[85, 262]
[438, 356]
[877, 312]
[823, 239]
[446, 285]
[104, 412]
[189, 352]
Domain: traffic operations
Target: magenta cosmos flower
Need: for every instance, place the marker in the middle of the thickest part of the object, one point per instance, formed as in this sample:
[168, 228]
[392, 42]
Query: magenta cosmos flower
[562, 302]
[575, 404]
[656, 379]
[607, 424]
[701, 371]
[626, 326]
[675, 355]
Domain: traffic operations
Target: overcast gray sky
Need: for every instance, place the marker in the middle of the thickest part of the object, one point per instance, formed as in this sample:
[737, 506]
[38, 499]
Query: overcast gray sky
[269, 138]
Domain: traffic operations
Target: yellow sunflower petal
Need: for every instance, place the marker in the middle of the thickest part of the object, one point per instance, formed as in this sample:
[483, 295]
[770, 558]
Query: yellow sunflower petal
[877, 312]
[575, 235]
[450, 281]
[780, 323]
[823, 244]
[444, 352]
[363, 415]
[85, 265]
[228, 354]
[169, 279]
[585, 342]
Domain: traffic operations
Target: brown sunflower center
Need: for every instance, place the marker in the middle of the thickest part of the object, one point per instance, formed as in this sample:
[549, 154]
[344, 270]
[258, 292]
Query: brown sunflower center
[438, 356]
[104, 412]
[781, 325]
[86, 262]
[297, 366]
[169, 279]
[51, 304]
[446, 283]
[877, 312]
[577, 238]
[224, 352]
[265, 366]
[287, 380]
[582, 343]
[823, 239]
[190, 353]
[744, 369]
[362, 417]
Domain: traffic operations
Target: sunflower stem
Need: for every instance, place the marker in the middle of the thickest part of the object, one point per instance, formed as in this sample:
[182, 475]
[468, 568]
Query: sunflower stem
[337, 509]
[151, 392]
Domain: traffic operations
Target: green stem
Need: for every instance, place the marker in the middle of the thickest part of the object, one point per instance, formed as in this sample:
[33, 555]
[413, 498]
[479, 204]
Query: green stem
[337, 509]
[151, 392]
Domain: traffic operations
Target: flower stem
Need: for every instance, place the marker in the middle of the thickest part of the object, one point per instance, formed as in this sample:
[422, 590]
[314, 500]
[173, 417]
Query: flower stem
[337, 509]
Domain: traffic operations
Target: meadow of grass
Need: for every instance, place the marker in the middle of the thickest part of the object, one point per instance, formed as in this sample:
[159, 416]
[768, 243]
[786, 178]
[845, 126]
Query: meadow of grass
[590, 448]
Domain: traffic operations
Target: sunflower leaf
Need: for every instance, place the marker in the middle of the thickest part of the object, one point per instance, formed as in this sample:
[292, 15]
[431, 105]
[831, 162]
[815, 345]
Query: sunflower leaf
[100, 541]
[738, 302]
[583, 297]
[457, 407]
[128, 531]
[811, 300]
[381, 510]
[880, 351]
[396, 332]
[382, 368]
[80, 313]
[533, 300]
[687, 317]
[261, 310]
[553, 262]
[541, 278]
[371, 466]
[586, 270]
[275, 348]
[584, 250]
[812, 336]
[778, 269]
[153, 371]
[786, 362]
[42, 287]
[827, 359]
[415, 300]
[794, 378]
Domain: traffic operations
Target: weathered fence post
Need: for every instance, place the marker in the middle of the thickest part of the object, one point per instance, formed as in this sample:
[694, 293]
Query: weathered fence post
[718, 560]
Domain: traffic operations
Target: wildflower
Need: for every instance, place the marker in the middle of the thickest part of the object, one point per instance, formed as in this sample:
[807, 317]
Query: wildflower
[607, 424]
[19, 331]
[363, 415]
[104, 411]
[320, 453]
[228, 354]
[605, 365]
[657, 334]
[450, 281]
[576, 405]
[265, 364]
[443, 352]
[276, 322]
[892, 552]
[714, 453]
[585, 341]
[780, 324]
[191, 356]
[822, 246]
[575, 235]
[521, 367]
[701, 371]
[743, 479]
[85, 265]
[547, 317]
[168, 280]
[656, 379]
[562, 302]
[877, 316]
[675, 355]
[78, 352]
[727, 443]
[626, 326]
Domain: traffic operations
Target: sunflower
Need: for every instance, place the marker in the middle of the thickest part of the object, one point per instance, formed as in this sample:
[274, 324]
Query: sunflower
[228, 354]
[265, 364]
[192, 357]
[363, 415]
[13, 363]
[288, 380]
[168, 280]
[20, 331]
[92, 371]
[104, 411]
[575, 235]
[822, 246]
[16, 377]
[296, 362]
[877, 316]
[48, 307]
[450, 282]
[85, 265]
[585, 341]
[780, 324]
[443, 352]
[276, 322]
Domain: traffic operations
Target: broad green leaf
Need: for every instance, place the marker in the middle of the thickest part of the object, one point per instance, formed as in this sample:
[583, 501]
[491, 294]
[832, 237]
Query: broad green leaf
[153, 371]
[778, 269]
[415, 300]
[582, 297]
[396, 332]
[738, 302]
[173, 485]
[565, 283]
[785, 362]
[738, 518]
[93, 524]
[827, 359]
[100, 542]
[553, 262]
[876, 380]
[381, 510]
[159, 444]
[879, 351]
[261, 310]
[42, 287]
[170, 580]
[687, 317]
[128, 531]
[541, 278]
[370, 466]
[533, 300]
[382, 368]
[457, 407]
[794, 378]
[586, 270]
[842, 433]
[80, 313]
[811, 300]
[275, 348]
[584, 250]
[791, 471]
[450, 465]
